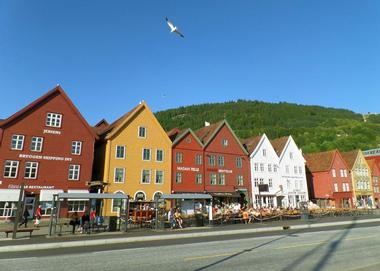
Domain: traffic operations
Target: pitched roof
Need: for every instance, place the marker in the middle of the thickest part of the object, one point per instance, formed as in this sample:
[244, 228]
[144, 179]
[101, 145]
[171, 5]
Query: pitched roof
[251, 143]
[174, 133]
[320, 161]
[58, 90]
[205, 133]
[114, 125]
[350, 157]
[183, 134]
[279, 144]
[100, 126]
[373, 164]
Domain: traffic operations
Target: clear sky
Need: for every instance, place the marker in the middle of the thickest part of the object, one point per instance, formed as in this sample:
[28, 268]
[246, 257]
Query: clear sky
[109, 55]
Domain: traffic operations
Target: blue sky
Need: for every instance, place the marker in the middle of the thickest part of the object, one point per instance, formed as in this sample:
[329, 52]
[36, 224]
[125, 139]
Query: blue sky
[109, 55]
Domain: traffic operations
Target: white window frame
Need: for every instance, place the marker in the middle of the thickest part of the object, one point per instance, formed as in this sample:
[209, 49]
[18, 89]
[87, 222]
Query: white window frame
[178, 177]
[239, 162]
[198, 159]
[119, 147]
[33, 170]
[162, 175]
[76, 147]
[221, 178]
[262, 167]
[333, 173]
[256, 167]
[197, 179]
[74, 170]
[179, 157]
[38, 142]
[269, 167]
[221, 161]
[225, 142]
[16, 139]
[213, 179]
[240, 180]
[256, 182]
[142, 176]
[270, 182]
[140, 129]
[150, 154]
[162, 155]
[53, 120]
[336, 187]
[115, 175]
[13, 164]
[212, 160]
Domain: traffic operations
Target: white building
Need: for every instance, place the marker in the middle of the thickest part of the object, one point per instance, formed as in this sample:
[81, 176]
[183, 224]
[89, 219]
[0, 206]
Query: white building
[264, 164]
[292, 170]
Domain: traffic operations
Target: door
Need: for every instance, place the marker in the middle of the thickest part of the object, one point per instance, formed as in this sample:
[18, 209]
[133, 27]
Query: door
[29, 205]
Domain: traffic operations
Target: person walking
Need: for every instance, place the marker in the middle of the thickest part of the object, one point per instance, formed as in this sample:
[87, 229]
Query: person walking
[25, 218]
[38, 216]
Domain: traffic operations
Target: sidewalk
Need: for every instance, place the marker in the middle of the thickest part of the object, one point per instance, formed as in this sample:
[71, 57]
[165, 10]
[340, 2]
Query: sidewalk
[40, 240]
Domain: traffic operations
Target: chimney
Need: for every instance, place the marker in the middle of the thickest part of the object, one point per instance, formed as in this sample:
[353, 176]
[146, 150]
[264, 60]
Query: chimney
[207, 124]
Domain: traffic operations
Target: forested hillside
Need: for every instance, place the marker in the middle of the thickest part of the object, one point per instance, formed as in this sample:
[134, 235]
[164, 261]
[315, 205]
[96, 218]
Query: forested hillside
[314, 128]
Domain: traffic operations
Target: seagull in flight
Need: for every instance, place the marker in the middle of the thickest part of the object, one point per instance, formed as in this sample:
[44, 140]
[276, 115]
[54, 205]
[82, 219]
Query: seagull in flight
[173, 28]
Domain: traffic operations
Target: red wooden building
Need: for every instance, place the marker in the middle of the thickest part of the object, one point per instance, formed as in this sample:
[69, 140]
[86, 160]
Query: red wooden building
[329, 181]
[374, 164]
[211, 160]
[49, 147]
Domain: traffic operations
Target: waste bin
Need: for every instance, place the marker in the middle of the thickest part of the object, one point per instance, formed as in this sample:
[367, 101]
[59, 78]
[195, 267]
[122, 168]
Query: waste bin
[113, 223]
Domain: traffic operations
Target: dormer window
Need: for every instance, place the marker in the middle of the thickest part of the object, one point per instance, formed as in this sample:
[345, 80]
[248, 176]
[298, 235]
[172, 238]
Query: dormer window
[53, 120]
[142, 132]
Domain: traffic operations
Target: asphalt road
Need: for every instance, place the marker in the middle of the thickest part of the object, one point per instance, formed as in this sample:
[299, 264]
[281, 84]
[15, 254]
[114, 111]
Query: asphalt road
[344, 249]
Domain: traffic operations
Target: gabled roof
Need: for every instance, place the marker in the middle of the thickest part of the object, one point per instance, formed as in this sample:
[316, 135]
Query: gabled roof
[58, 90]
[174, 133]
[100, 126]
[279, 144]
[207, 134]
[183, 134]
[251, 143]
[350, 157]
[320, 161]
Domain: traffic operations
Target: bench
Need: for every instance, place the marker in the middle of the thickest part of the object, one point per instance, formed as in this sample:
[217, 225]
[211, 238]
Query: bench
[30, 230]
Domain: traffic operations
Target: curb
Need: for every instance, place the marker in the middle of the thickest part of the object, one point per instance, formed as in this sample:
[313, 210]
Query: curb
[68, 244]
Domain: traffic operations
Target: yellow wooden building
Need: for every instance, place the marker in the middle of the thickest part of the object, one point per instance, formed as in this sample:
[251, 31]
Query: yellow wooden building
[360, 177]
[133, 157]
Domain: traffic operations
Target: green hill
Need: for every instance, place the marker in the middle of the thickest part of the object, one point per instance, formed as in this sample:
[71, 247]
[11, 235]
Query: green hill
[314, 128]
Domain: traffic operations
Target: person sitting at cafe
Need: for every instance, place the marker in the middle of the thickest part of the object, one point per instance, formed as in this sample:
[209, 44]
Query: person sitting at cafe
[178, 218]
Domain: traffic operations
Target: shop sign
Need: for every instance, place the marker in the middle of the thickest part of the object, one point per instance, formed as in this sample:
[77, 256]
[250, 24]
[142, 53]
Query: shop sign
[53, 132]
[45, 157]
[188, 169]
[17, 186]
[224, 170]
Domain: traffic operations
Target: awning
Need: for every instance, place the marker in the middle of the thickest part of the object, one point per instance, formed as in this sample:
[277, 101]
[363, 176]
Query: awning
[87, 196]
[47, 195]
[186, 196]
[77, 191]
[9, 194]
[225, 194]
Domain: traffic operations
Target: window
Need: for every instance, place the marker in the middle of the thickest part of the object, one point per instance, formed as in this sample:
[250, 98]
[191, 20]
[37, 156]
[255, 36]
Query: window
[31, 170]
[270, 182]
[261, 181]
[291, 155]
[17, 142]
[221, 161]
[10, 169]
[336, 187]
[145, 178]
[77, 205]
[261, 167]
[240, 180]
[159, 177]
[341, 173]
[119, 175]
[256, 182]
[333, 172]
[346, 187]
[287, 169]
[179, 157]
[345, 173]
[117, 203]
[157, 196]
[300, 170]
[159, 155]
[198, 178]
[198, 159]
[256, 166]
[142, 132]
[264, 152]
[146, 154]
[213, 178]
[36, 144]
[295, 170]
[178, 177]
[275, 168]
[46, 207]
[239, 162]
[222, 179]
[269, 167]
[74, 171]
[53, 120]
[211, 160]
[120, 152]
[140, 196]
[225, 142]
[76, 147]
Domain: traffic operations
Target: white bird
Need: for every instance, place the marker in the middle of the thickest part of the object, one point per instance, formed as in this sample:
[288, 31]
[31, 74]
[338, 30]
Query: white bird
[173, 28]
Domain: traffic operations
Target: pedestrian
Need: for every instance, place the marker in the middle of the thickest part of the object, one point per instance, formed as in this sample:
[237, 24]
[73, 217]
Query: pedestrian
[25, 218]
[85, 222]
[92, 217]
[178, 218]
[38, 216]
[74, 221]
